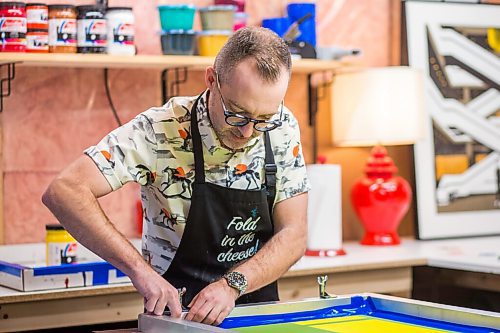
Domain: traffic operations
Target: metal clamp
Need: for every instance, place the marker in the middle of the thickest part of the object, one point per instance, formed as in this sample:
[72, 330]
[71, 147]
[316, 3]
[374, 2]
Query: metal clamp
[322, 287]
[181, 291]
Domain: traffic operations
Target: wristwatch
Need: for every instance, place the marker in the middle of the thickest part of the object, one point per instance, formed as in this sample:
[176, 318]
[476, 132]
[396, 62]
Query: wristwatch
[237, 281]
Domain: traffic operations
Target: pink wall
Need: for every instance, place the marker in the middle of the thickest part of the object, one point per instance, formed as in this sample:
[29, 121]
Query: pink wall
[53, 114]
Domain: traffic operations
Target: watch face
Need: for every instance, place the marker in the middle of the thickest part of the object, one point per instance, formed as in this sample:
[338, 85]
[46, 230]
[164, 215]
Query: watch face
[237, 280]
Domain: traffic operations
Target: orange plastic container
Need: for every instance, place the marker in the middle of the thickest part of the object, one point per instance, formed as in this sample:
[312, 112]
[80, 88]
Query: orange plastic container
[211, 41]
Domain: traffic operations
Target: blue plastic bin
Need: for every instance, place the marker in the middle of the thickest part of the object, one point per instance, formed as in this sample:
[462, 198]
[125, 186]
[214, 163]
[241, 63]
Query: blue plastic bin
[308, 27]
[279, 25]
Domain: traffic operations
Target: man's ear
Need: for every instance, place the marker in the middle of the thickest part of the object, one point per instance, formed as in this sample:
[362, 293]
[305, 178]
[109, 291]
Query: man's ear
[210, 77]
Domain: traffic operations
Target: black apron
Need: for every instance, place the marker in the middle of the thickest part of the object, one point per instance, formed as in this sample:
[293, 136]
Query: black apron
[224, 227]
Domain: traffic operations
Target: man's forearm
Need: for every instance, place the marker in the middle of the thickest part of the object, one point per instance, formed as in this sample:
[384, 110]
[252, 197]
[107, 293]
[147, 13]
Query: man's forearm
[78, 210]
[274, 259]
[284, 248]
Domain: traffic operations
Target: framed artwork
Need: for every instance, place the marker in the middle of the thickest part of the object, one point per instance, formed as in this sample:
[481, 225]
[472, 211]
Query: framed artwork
[457, 164]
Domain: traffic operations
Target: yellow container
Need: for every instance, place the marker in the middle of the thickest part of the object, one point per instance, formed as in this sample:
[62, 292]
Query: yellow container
[61, 247]
[219, 17]
[211, 41]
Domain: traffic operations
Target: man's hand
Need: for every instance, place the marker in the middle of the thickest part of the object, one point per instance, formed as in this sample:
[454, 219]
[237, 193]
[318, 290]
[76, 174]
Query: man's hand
[157, 292]
[213, 303]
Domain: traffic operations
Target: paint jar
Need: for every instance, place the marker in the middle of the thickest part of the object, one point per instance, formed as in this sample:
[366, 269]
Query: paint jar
[240, 4]
[91, 29]
[178, 42]
[62, 29]
[120, 24]
[219, 17]
[61, 247]
[37, 15]
[211, 42]
[173, 17]
[37, 41]
[12, 27]
[240, 20]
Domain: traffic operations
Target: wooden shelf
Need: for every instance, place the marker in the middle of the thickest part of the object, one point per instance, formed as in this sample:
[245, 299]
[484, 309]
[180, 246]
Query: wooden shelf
[143, 61]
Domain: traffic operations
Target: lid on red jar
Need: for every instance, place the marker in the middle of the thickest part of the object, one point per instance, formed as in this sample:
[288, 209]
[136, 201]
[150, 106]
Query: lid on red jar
[12, 4]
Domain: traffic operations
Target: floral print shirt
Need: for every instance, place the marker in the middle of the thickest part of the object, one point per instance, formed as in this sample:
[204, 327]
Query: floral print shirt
[155, 150]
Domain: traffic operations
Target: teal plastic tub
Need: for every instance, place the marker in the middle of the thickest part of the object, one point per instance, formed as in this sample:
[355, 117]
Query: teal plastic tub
[175, 17]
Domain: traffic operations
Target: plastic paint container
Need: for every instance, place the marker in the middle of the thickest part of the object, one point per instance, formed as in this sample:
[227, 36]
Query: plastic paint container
[210, 42]
[217, 17]
[121, 32]
[62, 29]
[91, 30]
[178, 42]
[12, 27]
[175, 17]
[240, 20]
[278, 24]
[308, 27]
[61, 247]
[298, 10]
[37, 41]
[37, 15]
[240, 4]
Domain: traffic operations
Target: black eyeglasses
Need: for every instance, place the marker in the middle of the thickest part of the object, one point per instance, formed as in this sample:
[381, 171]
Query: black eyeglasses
[235, 119]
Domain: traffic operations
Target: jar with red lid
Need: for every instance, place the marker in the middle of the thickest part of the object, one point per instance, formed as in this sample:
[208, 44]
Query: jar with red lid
[12, 27]
[37, 15]
[62, 29]
[37, 41]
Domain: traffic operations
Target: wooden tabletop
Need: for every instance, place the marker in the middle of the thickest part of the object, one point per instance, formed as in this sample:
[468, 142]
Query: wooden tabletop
[478, 254]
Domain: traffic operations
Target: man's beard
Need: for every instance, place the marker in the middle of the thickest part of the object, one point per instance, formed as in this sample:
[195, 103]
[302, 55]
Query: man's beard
[224, 135]
[230, 138]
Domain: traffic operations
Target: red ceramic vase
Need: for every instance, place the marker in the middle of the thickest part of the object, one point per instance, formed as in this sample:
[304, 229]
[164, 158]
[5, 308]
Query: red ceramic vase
[381, 199]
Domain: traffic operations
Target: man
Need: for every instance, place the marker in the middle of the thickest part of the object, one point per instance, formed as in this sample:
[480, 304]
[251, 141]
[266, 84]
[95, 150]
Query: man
[211, 168]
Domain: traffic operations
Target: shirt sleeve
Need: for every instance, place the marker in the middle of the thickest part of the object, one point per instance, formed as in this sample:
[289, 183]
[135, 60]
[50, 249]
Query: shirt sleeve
[127, 154]
[291, 176]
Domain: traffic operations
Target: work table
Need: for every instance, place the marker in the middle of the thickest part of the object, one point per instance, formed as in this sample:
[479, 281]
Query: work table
[385, 270]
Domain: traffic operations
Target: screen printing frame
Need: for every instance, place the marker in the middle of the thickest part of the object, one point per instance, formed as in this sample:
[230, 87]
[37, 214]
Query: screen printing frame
[425, 310]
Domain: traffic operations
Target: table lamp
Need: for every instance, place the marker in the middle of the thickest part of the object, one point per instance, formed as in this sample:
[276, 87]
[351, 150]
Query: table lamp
[375, 107]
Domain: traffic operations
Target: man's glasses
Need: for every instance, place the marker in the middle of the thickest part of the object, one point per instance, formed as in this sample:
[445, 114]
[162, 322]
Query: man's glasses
[235, 119]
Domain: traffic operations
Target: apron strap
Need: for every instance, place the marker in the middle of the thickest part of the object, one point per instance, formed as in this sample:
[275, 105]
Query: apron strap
[199, 168]
[270, 169]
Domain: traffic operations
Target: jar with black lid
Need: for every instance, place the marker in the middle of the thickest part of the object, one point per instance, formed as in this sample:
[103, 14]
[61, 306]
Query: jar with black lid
[91, 29]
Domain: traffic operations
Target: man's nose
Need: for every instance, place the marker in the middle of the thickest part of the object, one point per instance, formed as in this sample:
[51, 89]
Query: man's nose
[247, 130]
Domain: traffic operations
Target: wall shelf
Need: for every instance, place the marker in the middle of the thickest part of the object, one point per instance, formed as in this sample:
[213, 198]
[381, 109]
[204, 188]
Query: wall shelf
[174, 71]
[305, 66]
